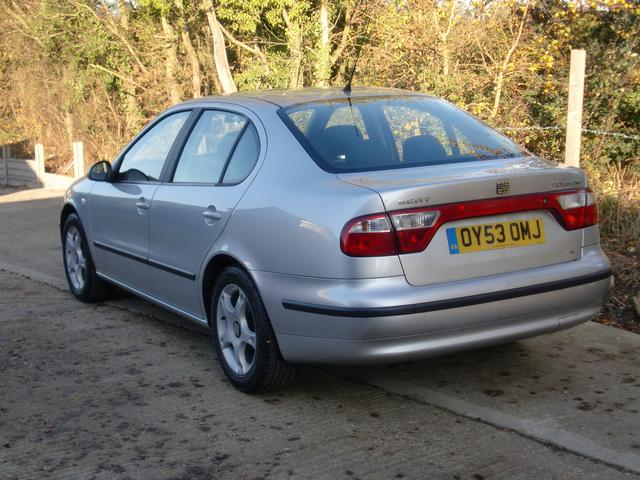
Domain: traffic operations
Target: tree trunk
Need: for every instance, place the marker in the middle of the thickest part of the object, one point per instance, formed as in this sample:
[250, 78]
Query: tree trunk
[337, 55]
[505, 64]
[69, 127]
[192, 55]
[323, 67]
[196, 79]
[131, 107]
[171, 60]
[497, 93]
[444, 49]
[124, 17]
[294, 43]
[220, 52]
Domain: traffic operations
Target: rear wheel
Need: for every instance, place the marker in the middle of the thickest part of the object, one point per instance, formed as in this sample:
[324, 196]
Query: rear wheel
[78, 264]
[243, 337]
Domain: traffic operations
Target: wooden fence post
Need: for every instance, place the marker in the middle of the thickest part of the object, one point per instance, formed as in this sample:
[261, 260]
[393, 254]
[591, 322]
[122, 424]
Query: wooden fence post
[574, 112]
[39, 153]
[6, 153]
[78, 159]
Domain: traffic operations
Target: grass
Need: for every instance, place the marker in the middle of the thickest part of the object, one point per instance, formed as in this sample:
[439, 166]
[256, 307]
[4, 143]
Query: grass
[618, 193]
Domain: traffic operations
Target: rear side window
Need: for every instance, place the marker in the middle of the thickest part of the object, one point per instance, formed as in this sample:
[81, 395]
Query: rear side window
[244, 156]
[209, 146]
[301, 118]
[376, 133]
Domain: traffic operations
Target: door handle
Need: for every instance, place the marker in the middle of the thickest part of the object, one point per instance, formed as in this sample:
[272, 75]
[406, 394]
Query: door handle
[142, 204]
[211, 214]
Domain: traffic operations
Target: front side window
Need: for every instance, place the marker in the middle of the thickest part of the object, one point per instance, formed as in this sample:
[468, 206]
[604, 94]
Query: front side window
[144, 161]
[375, 133]
[209, 146]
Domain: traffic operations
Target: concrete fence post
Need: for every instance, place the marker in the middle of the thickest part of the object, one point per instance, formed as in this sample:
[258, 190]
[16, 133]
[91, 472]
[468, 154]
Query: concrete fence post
[574, 110]
[78, 159]
[6, 154]
[39, 152]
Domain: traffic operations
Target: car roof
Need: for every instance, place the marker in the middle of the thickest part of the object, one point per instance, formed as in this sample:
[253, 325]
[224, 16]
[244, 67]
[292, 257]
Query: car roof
[288, 97]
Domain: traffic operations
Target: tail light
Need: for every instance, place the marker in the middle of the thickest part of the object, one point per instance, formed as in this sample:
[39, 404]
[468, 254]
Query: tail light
[410, 231]
[368, 237]
[414, 230]
[578, 209]
[374, 236]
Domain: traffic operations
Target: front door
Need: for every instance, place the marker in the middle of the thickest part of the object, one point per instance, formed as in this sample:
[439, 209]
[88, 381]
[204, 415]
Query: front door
[119, 210]
[189, 212]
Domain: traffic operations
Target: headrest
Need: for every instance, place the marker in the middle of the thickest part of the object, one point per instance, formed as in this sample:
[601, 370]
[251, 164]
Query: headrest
[422, 149]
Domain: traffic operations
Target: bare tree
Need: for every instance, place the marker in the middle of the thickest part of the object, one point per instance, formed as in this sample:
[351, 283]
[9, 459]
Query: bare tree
[504, 66]
[171, 60]
[220, 58]
[192, 55]
[445, 32]
[294, 43]
[323, 65]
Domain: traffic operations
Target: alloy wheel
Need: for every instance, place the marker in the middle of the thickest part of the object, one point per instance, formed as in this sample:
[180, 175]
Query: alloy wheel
[75, 259]
[236, 330]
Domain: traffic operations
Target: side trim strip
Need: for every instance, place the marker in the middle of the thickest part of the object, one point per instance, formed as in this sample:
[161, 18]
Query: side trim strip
[175, 271]
[151, 263]
[117, 251]
[447, 303]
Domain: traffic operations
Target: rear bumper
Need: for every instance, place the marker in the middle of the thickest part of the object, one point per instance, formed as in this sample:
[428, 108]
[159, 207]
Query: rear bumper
[449, 303]
[387, 320]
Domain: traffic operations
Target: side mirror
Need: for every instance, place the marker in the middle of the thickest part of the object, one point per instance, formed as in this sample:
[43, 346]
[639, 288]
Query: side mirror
[100, 172]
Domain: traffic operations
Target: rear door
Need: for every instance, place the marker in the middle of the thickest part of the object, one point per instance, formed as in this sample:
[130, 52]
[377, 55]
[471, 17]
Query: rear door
[191, 209]
[119, 210]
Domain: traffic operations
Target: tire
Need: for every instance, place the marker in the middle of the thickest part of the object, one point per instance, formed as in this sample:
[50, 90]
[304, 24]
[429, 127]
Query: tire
[243, 336]
[79, 268]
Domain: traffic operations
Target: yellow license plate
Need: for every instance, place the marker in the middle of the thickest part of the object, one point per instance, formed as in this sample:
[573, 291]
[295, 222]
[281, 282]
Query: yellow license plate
[490, 236]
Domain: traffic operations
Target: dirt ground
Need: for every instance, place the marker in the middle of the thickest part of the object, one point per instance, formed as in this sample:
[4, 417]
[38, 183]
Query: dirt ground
[126, 390]
[97, 392]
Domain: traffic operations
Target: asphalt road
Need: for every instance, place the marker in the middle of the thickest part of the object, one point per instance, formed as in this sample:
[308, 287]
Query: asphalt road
[121, 390]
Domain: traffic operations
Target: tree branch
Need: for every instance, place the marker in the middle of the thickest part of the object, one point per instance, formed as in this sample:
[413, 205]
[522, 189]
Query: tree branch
[344, 38]
[114, 29]
[20, 19]
[254, 50]
[116, 74]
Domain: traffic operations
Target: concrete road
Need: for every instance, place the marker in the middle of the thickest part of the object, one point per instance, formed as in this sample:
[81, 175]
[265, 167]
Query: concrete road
[109, 391]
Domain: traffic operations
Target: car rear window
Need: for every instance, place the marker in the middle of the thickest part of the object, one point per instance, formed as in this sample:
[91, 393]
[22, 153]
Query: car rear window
[377, 133]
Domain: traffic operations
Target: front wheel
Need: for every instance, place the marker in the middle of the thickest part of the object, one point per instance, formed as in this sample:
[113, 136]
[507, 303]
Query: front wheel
[78, 264]
[244, 339]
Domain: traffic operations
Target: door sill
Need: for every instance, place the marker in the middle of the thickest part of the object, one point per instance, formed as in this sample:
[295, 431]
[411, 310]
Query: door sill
[160, 303]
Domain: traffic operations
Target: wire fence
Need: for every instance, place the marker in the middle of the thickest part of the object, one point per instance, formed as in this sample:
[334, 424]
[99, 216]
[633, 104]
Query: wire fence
[584, 130]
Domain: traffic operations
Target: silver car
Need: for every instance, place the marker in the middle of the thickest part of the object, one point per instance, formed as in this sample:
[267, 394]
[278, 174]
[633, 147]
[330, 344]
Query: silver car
[339, 227]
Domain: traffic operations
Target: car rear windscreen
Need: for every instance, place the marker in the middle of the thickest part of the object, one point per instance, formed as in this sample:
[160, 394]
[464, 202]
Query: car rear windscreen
[377, 133]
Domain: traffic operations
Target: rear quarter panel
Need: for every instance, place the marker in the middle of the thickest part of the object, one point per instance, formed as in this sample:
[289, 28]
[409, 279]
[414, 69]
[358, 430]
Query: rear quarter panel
[290, 219]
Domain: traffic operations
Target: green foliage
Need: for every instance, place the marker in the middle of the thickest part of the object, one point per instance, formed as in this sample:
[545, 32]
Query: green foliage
[86, 68]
